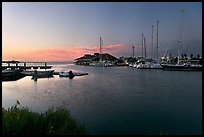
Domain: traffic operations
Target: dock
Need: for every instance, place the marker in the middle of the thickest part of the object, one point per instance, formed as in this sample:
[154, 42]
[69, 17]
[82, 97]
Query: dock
[24, 66]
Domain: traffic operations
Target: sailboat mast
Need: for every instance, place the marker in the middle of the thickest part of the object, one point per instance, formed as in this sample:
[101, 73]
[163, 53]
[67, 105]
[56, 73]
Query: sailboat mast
[100, 45]
[152, 42]
[181, 29]
[142, 44]
[180, 36]
[157, 38]
[145, 47]
[133, 51]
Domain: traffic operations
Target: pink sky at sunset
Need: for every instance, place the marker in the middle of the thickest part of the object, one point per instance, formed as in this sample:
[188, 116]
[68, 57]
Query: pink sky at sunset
[62, 54]
[66, 31]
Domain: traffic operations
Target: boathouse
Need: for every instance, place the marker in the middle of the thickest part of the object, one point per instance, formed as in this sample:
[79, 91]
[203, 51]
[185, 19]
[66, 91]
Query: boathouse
[89, 59]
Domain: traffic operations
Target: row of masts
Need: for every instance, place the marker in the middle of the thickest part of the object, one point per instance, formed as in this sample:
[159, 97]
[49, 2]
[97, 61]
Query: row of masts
[154, 51]
[153, 54]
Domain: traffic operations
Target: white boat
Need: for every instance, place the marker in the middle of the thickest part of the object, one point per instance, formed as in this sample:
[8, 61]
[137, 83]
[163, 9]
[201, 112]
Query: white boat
[35, 72]
[148, 65]
[145, 63]
[108, 64]
[103, 64]
[100, 64]
[131, 64]
[64, 74]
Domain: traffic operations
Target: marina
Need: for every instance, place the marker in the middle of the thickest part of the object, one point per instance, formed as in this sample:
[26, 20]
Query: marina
[102, 68]
[147, 101]
[15, 72]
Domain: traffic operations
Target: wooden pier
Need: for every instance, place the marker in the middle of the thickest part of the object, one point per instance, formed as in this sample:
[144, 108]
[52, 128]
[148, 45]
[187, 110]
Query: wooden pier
[24, 66]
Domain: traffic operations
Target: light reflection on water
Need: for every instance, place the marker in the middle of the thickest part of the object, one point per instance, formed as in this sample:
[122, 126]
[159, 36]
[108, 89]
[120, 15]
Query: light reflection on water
[117, 100]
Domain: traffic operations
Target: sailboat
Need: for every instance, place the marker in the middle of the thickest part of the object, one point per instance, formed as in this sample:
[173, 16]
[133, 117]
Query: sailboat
[179, 65]
[100, 63]
[145, 63]
[103, 61]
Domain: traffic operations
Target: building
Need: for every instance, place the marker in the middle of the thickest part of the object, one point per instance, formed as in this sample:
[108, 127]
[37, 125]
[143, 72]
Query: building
[97, 59]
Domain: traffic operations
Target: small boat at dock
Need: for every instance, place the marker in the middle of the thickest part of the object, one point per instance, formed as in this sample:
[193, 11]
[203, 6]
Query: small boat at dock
[12, 74]
[64, 74]
[148, 65]
[39, 73]
[67, 74]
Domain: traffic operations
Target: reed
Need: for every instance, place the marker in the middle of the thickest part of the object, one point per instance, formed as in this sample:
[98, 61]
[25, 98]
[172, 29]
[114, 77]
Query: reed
[21, 121]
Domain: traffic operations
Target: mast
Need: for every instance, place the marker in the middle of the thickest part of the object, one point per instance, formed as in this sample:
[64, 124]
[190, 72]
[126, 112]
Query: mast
[152, 42]
[157, 39]
[100, 45]
[180, 35]
[133, 51]
[142, 44]
[144, 47]
[181, 29]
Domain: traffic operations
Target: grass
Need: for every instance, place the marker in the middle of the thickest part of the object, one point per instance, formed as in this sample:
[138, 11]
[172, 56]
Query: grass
[18, 120]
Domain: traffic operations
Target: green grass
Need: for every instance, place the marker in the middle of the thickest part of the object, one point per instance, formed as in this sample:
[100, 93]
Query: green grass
[21, 121]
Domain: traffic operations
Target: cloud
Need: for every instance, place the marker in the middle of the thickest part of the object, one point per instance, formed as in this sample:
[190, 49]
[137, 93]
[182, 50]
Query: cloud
[64, 54]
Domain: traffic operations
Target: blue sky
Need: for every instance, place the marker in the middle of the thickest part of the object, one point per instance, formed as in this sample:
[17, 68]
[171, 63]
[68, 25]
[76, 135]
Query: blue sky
[41, 26]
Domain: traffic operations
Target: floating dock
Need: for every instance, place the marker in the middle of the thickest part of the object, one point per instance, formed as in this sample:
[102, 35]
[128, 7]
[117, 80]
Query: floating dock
[12, 71]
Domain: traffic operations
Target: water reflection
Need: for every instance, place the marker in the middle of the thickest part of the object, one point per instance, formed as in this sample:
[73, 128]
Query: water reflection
[118, 100]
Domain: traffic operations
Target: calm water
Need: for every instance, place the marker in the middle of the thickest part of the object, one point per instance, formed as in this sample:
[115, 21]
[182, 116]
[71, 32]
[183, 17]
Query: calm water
[117, 100]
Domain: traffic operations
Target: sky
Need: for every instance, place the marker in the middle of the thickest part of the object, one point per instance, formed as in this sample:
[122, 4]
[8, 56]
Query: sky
[64, 31]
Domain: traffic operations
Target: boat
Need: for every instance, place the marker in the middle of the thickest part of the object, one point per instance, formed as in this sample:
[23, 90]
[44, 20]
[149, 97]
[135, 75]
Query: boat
[148, 65]
[64, 74]
[184, 66]
[35, 78]
[67, 74]
[144, 63]
[9, 72]
[38, 73]
[130, 64]
[181, 65]
[12, 74]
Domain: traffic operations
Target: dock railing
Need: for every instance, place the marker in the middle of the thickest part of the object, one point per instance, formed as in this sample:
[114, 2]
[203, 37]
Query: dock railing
[16, 65]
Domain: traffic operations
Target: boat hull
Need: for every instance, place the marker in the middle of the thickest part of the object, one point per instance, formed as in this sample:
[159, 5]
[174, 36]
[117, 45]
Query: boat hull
[148, 66]
[66, 74]
[38, 73]
[12, 75]
[182, 67]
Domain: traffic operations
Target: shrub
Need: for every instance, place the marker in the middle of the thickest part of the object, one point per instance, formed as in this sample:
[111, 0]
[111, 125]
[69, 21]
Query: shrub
[21, 121]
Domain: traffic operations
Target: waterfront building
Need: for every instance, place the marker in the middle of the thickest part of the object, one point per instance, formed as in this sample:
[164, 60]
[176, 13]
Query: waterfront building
[97, 59]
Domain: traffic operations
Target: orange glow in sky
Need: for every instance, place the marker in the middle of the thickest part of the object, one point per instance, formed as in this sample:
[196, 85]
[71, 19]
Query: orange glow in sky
[66, 31]
[59, 54]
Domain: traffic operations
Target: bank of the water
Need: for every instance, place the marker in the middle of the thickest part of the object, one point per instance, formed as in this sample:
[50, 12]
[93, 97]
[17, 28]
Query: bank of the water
[21, 121]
